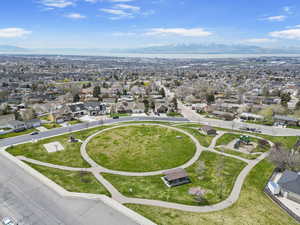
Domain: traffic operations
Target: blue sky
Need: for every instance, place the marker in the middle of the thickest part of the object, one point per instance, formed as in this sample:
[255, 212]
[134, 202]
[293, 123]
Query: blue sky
[138, 23]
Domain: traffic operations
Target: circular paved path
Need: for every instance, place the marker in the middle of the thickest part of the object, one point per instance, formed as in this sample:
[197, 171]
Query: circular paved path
[100, 168]
[116, 195]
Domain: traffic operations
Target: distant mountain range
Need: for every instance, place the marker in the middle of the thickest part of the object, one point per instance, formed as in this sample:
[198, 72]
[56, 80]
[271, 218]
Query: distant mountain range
[164, 49]
[211, 49]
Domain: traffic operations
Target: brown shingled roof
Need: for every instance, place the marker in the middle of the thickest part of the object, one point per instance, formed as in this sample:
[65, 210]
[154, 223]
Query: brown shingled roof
[175, 174]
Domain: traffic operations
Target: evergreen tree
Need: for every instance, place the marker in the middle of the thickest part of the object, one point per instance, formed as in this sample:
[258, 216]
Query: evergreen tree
[96, 91]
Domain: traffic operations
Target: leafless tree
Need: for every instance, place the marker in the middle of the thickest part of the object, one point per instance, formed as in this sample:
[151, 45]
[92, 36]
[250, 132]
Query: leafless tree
[284, 158]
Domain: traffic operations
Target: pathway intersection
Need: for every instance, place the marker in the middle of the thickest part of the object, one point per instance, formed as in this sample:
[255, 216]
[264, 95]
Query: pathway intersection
[96, 170]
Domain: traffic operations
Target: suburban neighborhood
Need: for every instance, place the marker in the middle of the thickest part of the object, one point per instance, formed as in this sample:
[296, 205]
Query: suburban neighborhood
[152, 138]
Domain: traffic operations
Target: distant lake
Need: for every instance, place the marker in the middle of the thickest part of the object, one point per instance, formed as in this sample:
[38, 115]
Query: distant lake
[141, 55]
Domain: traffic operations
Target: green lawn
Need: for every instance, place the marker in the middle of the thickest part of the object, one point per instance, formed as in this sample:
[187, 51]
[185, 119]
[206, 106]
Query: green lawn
[83, 182]
[252, 208]
[204, 140]
[141, 148]
[287, 142]
[46, 117]
[190, 125]
[68, 157]
[50, 126]
[73, 122]
[174, 114]
[225, 139]
[154, 188]
[15, 134]
[237, 153]
[266, 123]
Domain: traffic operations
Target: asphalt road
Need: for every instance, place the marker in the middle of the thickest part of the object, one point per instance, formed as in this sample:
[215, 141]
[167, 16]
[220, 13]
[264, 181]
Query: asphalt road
[269, 130]
[30, 202]
[77, 127]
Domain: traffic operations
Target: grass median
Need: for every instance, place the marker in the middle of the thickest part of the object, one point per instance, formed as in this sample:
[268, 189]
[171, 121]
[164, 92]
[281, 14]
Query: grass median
[83, 182]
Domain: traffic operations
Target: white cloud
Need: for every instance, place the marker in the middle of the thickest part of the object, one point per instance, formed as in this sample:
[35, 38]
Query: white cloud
[13, 32]
[117, 12]
[287, 34]
[75, 16]
[287, 9]
[57, 3]
[129, 7]
[258, 40]
[194, 32]
[148, 13]
[275, 18]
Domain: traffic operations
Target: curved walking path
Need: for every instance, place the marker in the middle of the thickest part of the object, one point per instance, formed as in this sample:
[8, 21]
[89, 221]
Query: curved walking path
[87, 158]
[96, 170]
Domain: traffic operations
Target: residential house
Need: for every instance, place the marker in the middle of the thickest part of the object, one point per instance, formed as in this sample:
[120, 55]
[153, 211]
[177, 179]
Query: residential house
[286, 120]
[4, 119]
[251, 116]
[16, 126]
[161, 108]
[33, 123]
[77, 110]
[138, 107]
[289, 184]
[95, 108]
[124, 107]
[223, 115]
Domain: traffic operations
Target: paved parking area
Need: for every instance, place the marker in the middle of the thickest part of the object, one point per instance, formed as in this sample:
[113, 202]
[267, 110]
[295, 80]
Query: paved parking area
[30, 202]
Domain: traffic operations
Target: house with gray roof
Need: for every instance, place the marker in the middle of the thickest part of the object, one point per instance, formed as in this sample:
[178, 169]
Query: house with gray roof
[289, 184]
[286, 120]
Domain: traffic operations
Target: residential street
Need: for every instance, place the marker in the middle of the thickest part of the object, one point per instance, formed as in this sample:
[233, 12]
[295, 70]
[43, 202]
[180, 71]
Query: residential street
[269, 130]
[78, 127]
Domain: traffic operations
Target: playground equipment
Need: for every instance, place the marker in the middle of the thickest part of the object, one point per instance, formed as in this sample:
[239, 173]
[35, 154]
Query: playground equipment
[242, 140]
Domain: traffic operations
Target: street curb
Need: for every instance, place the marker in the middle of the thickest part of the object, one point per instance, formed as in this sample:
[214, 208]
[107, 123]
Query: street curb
[64, 193]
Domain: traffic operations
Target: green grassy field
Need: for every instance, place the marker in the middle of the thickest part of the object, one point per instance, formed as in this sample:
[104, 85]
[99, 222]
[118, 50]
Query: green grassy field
[287, 142]
[174, 114]
[83, 182]
[204, 140]
[141, 148]
[70, 156]
[50, 126]
[252, 208]
[237, 153]
[154, 188]
[225, 139]
[73, 122]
